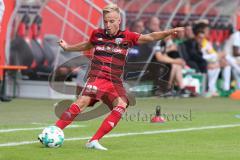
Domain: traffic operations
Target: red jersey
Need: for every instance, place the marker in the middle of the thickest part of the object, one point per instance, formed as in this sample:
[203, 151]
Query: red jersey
[110, 53]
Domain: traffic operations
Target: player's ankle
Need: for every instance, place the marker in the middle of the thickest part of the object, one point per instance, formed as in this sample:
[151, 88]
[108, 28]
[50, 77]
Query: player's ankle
[93, 140]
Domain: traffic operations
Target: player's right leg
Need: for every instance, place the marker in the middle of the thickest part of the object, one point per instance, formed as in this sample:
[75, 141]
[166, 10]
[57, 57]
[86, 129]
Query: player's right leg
[75, 108]
[120, 104]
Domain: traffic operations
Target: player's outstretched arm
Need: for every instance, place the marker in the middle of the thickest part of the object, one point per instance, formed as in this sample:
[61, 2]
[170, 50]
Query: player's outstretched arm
[155, 36]
[83, 46]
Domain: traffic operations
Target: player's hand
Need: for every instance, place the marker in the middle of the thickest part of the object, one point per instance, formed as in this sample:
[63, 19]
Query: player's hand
[175, 31]
[63, 44]
[180, 62]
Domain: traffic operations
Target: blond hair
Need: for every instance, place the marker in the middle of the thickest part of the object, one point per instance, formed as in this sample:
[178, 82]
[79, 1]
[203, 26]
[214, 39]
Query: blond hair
[110, 8]
[205, 21]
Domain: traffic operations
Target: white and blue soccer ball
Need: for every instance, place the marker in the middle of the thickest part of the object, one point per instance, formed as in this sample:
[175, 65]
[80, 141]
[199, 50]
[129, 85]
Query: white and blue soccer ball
[52, 137]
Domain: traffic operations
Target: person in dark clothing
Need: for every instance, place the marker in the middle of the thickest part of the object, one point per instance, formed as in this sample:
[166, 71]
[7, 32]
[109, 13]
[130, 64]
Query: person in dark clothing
[193, 56]
[191, 51]
[165, 68]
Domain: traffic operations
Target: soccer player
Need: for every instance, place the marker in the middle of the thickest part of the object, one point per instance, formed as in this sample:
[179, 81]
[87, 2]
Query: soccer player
[104, 78]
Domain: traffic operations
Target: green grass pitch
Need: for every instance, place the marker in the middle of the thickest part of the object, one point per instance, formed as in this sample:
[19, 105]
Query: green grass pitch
[197, 128]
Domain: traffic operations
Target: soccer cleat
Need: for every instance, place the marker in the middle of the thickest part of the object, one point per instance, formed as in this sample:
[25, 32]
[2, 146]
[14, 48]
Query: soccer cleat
[40, 138]
[184, 93]
[95, 145]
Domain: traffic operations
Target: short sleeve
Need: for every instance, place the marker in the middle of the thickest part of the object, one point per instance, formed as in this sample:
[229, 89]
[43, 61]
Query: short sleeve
[134, 36]
[92, 37]
[236, 39]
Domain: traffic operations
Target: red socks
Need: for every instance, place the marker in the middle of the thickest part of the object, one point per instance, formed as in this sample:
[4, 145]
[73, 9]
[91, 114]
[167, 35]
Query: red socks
[109, 123]
[68, 116]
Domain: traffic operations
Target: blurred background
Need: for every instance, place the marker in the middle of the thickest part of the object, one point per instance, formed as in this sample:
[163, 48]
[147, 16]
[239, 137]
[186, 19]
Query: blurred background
[201, 61]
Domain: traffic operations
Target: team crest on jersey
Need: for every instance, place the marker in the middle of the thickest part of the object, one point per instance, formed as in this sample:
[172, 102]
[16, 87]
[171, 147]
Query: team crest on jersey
[118, 40]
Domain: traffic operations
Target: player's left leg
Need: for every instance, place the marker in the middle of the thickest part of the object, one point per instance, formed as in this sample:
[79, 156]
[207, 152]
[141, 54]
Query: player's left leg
[109, 122]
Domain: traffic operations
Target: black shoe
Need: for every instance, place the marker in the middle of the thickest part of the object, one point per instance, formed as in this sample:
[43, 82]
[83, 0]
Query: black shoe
[168, 94]
[184, 93]
[5, 99]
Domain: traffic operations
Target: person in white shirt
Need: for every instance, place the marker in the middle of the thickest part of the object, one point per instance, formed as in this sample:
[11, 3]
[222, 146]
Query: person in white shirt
[215, 60]
[232, 51]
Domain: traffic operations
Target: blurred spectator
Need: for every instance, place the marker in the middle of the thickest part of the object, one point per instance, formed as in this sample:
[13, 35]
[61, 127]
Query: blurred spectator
[153, 24]
[214, 60]
[190, 50]
[171, 47]
[232, 50]
[188, 32]
[138, 26]
[161, 55]
[180, 37]
[134, 52]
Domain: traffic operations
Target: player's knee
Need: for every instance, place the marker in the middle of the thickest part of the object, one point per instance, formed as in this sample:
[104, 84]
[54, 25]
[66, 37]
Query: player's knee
[83, 102]
[120, 102]
[123, 103]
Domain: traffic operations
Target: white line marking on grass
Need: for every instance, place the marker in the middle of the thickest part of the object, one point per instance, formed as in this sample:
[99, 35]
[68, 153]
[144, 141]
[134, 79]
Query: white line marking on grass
[37, 123]
[131, 134]
[30, 129]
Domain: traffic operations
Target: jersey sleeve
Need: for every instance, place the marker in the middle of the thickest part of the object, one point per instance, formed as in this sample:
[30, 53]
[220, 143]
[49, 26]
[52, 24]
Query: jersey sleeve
[134, 36]
[92, 38]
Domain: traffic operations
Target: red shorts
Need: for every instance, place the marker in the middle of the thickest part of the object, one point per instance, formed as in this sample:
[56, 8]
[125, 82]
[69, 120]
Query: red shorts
[104, 90]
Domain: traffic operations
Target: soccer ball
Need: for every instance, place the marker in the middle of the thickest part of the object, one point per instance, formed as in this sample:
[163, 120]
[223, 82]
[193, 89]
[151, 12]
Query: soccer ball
[51, 137]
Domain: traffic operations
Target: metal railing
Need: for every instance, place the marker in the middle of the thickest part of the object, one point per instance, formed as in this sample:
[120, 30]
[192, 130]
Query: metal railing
[143, 8]
[194, 7]
[160, 9]
[204, 14]
[77, 15]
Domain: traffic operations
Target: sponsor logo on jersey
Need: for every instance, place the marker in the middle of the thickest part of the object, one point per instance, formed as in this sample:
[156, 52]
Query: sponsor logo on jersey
[109, 49]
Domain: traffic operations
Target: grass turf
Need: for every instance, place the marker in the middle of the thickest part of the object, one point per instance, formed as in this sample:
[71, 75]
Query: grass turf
[221, 143]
